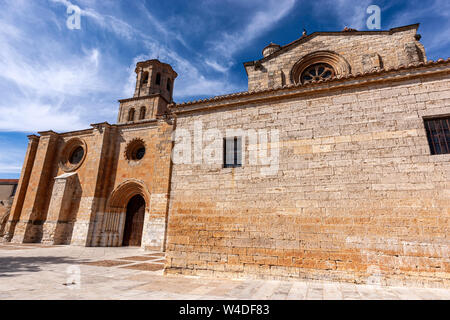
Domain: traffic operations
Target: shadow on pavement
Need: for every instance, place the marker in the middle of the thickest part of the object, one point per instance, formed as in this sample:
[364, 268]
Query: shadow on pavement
[15, 265]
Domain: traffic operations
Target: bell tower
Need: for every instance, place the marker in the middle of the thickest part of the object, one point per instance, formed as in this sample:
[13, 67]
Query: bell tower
[154, 91]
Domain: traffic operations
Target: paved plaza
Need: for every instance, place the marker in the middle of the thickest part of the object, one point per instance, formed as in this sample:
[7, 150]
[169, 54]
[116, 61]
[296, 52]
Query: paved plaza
[39, 272]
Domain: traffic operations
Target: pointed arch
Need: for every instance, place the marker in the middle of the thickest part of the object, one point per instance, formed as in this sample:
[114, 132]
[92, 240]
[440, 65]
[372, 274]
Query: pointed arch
[120, 197]
[114, 218]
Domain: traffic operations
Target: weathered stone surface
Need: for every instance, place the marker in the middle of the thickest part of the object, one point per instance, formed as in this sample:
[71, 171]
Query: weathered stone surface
[351, 192]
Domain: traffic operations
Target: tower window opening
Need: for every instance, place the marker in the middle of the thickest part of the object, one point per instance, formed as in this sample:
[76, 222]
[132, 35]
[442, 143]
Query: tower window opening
[145, 78]
[158, 79]
[169, 85]
[142, 113]
[131, 115]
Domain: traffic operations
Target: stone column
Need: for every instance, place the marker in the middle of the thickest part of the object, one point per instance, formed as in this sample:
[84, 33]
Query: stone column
[88, 223]
[57, 227]
[29, 227]
[22, 187]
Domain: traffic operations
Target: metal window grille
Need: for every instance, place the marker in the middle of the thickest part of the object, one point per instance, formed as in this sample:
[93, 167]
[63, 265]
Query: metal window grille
[438, 134]
[232, 152]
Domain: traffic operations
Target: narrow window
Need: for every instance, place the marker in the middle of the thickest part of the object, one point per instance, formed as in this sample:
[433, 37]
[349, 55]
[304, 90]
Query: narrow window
[131, 115]
[169, 85]
[158, 79]
[145, 78]
[232, 152]
[142, 113]
[438, 135]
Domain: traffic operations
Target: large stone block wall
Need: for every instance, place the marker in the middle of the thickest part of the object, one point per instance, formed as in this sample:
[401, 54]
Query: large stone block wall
[32, 202]
[153, 171]
[153, 106]
[69, 208]
[38, 195]
[363, 52]
[357, 196]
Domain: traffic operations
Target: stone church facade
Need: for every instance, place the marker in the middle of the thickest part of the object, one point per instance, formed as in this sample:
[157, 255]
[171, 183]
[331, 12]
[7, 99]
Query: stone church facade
[358, 189]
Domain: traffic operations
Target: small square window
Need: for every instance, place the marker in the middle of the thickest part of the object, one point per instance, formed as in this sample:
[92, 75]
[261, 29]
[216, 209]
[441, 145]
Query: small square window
[438, 135]
[232, 152]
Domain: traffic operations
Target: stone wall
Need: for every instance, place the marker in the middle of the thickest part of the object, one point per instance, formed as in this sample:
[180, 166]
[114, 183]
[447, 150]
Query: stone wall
[357, 196]
[362, 51]
[152, 173]
[60, 207]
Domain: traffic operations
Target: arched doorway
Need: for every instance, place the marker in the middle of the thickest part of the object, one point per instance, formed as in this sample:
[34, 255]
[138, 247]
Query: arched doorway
[134, 221]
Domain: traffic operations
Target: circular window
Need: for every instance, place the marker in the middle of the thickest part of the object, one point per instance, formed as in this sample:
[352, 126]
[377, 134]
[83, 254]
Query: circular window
[73, 155]
[135, 150]
[140, 153]
[77, 155]
[316, 72]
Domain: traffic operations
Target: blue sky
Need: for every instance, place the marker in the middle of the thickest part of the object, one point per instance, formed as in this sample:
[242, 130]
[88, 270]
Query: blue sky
[55, 78]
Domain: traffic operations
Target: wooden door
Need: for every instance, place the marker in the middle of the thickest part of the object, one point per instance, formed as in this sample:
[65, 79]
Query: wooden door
[134, 222]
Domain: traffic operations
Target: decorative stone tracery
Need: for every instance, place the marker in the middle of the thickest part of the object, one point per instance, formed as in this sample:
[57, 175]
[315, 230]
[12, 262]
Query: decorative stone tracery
[316, 72]
[330, 62]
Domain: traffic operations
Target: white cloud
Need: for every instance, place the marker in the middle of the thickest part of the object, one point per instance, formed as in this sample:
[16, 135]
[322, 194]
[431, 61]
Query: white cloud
[349, 13]
[48, 83]
[108, 22]
[435, 11]
[216, 66]
[190, 82]
[34, 116]
[72, 75]
[263, 19]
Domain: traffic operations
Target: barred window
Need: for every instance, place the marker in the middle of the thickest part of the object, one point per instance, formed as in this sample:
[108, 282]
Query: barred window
[438, 135]
[232, 152]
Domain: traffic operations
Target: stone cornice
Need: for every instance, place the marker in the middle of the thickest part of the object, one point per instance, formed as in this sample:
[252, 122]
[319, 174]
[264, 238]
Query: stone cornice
[136, 125]
[143, 64]
[143, 98]
[47, 133]
[33, 137]
[384, 75]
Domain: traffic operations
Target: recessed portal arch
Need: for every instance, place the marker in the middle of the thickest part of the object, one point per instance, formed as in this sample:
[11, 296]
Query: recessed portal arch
[134, 221]
[127, 207]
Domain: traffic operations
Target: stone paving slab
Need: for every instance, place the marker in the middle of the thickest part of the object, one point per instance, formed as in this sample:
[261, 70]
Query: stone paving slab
[107, 263]
[139, 258]
[145, 267]
[62, 272]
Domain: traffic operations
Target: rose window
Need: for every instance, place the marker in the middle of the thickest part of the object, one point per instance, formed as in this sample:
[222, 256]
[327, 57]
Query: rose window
[316, 72]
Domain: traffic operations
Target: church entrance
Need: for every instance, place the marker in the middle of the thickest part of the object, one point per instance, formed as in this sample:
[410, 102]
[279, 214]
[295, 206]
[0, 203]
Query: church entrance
[134, 221]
